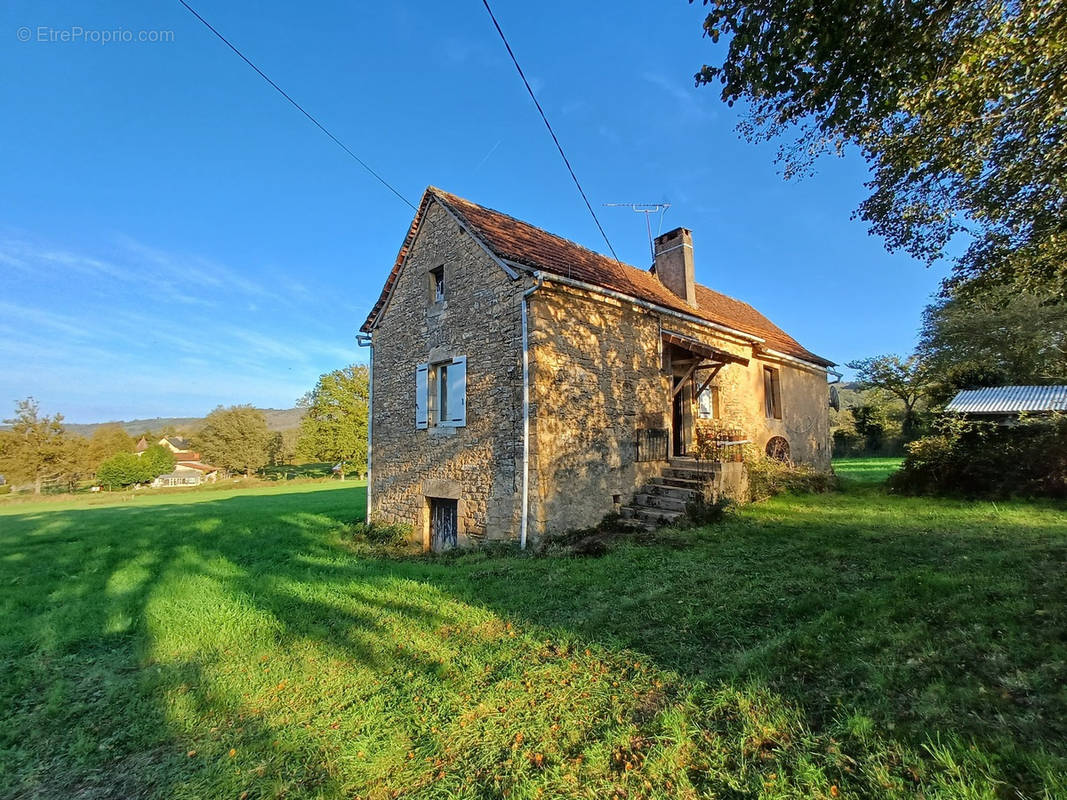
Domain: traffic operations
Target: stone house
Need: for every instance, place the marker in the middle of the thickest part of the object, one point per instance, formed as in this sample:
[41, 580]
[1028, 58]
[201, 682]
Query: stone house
[523, 385]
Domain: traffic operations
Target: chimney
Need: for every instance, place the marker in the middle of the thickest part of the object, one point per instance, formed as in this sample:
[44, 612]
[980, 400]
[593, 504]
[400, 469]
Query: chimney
[674, 263]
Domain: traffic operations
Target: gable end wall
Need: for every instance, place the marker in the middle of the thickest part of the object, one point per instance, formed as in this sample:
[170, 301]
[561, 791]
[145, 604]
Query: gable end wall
[478, 464]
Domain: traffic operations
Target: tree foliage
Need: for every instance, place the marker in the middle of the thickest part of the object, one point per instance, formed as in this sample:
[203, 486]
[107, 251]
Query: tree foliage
[155, 461]
[982, 458]
[126, 468]
[907, 379]
[1013, 336]
[960, 108]
[35, 448]
[335, 425]
[235, 438]
[106, 441]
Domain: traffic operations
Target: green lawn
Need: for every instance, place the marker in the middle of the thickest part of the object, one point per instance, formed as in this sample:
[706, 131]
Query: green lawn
[236, 644]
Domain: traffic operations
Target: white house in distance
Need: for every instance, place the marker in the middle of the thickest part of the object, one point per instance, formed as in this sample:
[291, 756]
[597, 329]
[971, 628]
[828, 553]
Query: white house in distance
[189, 470]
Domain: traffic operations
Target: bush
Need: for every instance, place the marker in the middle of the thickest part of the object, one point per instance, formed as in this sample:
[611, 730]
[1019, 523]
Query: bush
[701, 512]
[768, 477]
[391, 535]
[977, 458]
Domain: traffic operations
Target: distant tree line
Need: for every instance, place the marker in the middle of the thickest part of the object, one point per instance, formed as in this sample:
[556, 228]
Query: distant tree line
[37, 451]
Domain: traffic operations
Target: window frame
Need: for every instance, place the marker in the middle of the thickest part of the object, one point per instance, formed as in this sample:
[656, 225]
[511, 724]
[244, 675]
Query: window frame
[772, 392]
[437, 391]
[437, 287]
[712, 393]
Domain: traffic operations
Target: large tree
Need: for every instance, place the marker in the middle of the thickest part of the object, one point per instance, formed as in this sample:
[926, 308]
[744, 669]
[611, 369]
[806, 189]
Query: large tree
[1001, 336]
[34, 449]
[106, 441]
[235, 438]
[907, 379]
[334, 427]
[960, 108]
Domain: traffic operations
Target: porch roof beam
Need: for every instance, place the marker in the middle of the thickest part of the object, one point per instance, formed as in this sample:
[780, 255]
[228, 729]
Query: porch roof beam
[682, 382]
[710, 378]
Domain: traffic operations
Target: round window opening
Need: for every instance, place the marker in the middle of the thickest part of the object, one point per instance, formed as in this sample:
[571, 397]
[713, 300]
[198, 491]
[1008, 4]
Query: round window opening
[778, 448]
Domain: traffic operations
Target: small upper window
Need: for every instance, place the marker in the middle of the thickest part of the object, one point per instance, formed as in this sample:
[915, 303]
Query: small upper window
[772, 393]
[437, 284]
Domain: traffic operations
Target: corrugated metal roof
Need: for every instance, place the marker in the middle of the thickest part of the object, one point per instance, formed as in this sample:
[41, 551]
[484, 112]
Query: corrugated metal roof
[1009, 400]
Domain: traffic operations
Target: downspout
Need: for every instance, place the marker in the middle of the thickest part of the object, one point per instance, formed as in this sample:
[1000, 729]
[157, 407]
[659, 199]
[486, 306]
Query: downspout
[526, 410]
[365, 340]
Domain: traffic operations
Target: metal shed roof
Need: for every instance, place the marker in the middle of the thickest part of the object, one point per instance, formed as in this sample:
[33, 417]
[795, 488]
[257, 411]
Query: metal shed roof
[1009, 400]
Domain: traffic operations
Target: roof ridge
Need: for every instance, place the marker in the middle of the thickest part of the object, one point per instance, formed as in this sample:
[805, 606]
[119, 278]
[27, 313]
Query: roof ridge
[538, 228]
[438, 191]
[509, 238]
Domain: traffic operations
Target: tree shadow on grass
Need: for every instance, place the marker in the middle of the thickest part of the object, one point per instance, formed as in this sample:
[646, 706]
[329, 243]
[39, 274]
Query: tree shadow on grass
[909, 621]
[117, 622]
[243, 630]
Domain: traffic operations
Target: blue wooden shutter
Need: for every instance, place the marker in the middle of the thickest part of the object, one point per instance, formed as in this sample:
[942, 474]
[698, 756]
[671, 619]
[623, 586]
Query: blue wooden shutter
[457, 391]
[422, 395]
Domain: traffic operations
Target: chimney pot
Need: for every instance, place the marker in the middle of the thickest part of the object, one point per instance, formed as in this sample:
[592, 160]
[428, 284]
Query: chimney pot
[674, 263]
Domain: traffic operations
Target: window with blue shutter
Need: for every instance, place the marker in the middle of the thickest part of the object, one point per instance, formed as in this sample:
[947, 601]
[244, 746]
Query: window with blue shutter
[422, 395]
[456, 382]
[441, 391]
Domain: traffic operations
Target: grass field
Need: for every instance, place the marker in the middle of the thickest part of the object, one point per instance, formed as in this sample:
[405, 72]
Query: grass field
[238, 645]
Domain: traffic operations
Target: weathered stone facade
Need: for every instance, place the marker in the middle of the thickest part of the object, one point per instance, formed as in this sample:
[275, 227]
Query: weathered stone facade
[599, 374]
[479, 463]
[599, 371]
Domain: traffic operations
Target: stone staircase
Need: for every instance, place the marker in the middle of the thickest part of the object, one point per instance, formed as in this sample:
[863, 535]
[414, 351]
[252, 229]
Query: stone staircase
[663, 499]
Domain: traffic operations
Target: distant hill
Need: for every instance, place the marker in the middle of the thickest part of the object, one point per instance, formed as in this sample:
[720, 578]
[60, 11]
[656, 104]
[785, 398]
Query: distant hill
[278, 419]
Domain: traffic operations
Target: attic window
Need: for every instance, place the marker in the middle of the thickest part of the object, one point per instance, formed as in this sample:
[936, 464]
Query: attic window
[437, 284]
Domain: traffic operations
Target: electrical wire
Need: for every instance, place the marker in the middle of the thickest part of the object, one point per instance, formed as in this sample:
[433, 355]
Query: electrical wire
[548, 125]
[299, 107]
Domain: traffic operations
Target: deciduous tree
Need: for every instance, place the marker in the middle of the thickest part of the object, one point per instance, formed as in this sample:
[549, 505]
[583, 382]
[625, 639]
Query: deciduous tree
[960, 108]
[34, 449]
[906, 379]
[1015, 337]
[155, 461]
[121, 469]
[334, 428]
[106, 441]
[235, 438]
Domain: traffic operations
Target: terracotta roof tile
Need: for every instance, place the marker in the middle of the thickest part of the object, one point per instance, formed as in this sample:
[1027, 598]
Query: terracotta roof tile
[519, 242]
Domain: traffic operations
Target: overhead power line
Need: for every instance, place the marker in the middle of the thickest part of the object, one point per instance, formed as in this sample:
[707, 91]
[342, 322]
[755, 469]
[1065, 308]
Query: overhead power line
[299, 107]
[548, 125]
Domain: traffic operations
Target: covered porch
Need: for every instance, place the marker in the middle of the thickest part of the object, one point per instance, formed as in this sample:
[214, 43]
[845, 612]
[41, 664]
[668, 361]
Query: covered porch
[693, 367]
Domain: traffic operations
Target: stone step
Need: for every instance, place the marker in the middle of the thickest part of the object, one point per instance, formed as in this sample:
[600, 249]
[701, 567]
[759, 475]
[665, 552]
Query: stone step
[701, 475]
[654, 516]
[676, 492]
[694, 464]
[645, 500]
[681, 483]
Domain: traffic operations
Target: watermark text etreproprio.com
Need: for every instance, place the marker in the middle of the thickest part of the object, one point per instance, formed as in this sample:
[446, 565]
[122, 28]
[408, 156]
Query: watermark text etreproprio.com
[76, 34]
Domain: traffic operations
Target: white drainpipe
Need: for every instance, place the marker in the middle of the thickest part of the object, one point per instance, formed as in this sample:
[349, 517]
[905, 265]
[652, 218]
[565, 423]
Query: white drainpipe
[366, 340]
[526, 411]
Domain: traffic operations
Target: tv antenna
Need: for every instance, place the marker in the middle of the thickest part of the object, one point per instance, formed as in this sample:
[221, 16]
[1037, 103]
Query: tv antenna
[648, 209]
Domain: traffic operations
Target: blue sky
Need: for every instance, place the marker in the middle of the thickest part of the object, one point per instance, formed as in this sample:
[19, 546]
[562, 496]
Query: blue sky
[173, 235]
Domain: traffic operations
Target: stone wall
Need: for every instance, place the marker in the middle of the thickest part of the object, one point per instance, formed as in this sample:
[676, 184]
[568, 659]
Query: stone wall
[805, 421]
[599, 372]
[478, 464]
[594, 381]
[598, 375]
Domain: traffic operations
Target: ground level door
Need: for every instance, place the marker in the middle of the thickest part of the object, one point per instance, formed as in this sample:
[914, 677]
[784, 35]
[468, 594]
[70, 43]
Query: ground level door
[681, 416]
[444, 523]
